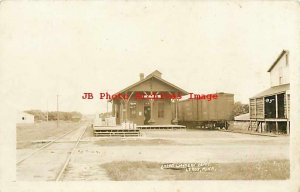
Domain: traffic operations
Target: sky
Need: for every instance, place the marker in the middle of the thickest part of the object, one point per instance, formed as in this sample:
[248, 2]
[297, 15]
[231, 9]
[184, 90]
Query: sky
[69, 48]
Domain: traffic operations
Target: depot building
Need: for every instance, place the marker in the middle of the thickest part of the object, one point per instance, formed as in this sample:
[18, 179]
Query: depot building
[147, 111]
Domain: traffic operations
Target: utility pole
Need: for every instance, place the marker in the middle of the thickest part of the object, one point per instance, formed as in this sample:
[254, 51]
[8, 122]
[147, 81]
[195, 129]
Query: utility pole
[47, 112]
[57, 111]
[106, 106]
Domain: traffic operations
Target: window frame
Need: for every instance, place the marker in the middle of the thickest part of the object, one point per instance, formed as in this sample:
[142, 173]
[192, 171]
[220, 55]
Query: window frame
[161, 110]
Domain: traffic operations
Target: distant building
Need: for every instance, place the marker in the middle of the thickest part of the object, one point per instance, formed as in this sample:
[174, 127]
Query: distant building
[25, 118]
[270, 109]
[147, 111]
[241, 122]
[242, 117]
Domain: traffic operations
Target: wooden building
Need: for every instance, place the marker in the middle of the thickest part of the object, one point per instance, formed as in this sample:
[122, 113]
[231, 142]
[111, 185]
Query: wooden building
[24, 117]
[270, 109]
[148, 111]
[241, 122]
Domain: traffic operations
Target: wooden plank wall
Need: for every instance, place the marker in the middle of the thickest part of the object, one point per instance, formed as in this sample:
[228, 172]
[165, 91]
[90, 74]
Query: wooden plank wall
[260, 108]
[252, 109]
[203, 110]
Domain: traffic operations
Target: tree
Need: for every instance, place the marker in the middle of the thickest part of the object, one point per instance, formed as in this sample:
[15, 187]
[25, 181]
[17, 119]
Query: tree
[38, 114]
[52, 115]
[240, 108]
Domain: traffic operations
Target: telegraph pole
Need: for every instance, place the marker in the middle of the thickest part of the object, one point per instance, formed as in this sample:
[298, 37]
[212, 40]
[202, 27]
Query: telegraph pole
[106, 106]
[47, 112]
[57, 118]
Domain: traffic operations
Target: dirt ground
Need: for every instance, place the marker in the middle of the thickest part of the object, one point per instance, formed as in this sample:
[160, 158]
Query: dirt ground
[46, 164]
[175, 147]
[178, 146]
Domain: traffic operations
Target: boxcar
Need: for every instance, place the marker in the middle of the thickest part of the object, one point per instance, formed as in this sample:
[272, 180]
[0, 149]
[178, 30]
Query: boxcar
[206, 114]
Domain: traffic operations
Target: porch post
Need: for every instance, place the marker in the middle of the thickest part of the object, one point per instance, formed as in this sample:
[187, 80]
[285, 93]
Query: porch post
[287, 113]
[126, 110]
[121, 112]
[126, 101]
[250, 126]
[175, 121]
[261, 129]
[276, 104]
[151, 120]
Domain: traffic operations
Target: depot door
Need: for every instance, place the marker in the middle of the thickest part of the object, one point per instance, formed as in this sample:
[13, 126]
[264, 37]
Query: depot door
[147, 114]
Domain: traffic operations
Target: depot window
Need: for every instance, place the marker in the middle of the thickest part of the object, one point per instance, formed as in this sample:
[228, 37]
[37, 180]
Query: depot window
[132, 109]
[161, 110]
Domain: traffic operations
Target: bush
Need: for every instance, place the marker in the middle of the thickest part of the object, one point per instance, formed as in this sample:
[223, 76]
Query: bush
[52, 115]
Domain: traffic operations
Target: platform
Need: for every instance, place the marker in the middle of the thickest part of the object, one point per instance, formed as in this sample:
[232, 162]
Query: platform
[161, 127]
[117, 131]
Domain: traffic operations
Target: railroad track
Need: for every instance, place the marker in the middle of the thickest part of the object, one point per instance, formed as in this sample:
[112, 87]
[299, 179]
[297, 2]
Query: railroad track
[30, 160]
[59, 176]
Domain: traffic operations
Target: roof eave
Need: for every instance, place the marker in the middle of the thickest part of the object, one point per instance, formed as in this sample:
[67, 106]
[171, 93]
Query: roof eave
[276, 61]
[261, 95]
[149, 77]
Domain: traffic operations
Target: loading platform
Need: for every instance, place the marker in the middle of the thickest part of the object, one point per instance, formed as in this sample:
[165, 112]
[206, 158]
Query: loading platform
[161, 127]
[117, 131]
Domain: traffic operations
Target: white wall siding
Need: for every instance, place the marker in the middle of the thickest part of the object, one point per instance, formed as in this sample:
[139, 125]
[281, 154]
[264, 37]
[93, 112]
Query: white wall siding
[281, 69]
[25, 118]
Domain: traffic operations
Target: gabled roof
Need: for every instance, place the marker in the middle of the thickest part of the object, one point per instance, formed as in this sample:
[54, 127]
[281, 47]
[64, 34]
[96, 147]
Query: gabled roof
[25, 113]
[157, 75]
[276, 61]
[273, 90]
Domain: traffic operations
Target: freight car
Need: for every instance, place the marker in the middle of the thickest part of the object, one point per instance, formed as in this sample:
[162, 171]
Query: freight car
[206, 114]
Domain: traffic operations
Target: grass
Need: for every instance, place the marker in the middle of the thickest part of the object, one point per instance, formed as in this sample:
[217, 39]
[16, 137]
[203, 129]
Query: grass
[144, 170]
[26, 133]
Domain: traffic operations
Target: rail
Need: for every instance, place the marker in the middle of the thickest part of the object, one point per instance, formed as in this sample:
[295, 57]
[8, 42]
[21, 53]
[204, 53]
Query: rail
[44, 146]
[59, 176]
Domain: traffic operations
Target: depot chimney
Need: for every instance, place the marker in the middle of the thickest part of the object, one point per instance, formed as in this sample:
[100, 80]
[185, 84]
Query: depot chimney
[141, 76]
